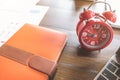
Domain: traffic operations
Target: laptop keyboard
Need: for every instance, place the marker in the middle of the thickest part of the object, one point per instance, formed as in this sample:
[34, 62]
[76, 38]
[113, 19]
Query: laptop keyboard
[111, 71]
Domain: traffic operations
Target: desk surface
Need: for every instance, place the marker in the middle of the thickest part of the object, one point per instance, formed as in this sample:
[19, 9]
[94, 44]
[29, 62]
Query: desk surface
[75, 63]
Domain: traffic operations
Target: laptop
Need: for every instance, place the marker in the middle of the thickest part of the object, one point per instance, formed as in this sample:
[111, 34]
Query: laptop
[111, 70]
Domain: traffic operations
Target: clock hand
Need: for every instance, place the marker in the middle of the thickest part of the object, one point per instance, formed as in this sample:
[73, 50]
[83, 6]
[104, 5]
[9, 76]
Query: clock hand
[99, 31]
[92, 35]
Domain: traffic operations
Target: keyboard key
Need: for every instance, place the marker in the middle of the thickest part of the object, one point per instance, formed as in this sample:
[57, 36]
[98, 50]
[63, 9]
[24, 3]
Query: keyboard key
[111, 67]
[109, 75]
[118, 72]
[101, 78]
[113, 62]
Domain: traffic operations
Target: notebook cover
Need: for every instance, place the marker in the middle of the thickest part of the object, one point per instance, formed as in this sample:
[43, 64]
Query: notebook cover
[35, 46]
[12, 70]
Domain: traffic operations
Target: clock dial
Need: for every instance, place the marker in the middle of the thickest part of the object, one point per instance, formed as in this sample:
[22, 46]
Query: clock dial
[95, 36]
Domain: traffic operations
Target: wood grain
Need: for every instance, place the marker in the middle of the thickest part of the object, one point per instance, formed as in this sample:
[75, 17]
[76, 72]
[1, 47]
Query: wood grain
[75, 62]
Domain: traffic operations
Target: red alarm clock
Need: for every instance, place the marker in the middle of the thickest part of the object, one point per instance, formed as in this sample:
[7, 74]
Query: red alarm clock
[93, 29]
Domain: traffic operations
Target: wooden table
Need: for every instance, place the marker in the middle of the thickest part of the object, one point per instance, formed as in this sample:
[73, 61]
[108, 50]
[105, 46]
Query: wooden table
[75, 63]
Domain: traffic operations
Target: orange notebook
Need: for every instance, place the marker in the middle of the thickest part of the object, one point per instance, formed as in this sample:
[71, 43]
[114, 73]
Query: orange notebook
[12, 70]
[36, 47]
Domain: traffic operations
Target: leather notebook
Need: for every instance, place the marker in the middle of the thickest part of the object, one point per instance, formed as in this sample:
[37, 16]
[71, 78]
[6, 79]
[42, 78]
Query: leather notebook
[32, 47]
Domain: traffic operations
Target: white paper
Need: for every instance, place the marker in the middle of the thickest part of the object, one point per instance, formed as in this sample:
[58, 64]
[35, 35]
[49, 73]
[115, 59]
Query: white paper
[11, 20]
[20, 5]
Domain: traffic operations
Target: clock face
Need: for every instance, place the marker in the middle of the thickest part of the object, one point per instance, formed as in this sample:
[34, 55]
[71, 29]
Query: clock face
[95, 36]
